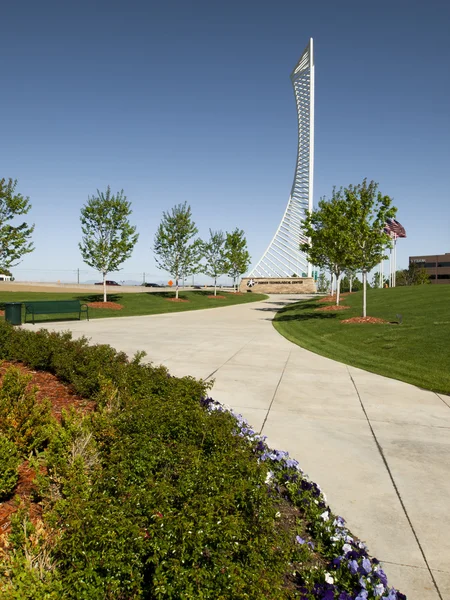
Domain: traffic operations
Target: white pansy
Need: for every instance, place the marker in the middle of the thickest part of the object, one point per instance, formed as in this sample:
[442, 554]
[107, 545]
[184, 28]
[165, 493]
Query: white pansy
[329, 578]
[325, 515]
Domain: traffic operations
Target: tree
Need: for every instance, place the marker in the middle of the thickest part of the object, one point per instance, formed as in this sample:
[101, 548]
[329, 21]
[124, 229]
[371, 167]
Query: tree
[176, 252]
[323, 283]
[352, 284]
[378, 282]
[14, 239]
[213, 252]
[413, 275]
[353, 281]
[237, 257]
[366, 210]
[329, 236]
[108, 237]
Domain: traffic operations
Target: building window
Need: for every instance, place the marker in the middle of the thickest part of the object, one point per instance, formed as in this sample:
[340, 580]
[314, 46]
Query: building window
[443, 276]
[444, 264]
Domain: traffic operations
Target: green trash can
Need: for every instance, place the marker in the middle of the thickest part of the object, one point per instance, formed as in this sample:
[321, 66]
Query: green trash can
[13, 313]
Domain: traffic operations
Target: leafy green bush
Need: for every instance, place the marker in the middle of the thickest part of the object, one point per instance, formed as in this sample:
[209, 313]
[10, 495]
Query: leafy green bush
[23, 420]
[162, 494]
[9, 463]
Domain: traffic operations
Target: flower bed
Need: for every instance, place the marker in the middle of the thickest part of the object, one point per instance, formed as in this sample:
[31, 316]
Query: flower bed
[350, 573]
[161, 492]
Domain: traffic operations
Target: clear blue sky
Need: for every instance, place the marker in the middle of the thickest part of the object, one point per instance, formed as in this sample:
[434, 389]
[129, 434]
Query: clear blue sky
[177, 100]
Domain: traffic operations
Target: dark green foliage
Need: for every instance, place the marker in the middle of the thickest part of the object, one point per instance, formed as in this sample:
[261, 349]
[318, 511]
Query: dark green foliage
[345, 284]
[413, 275]
[151, 496]
[9, 463]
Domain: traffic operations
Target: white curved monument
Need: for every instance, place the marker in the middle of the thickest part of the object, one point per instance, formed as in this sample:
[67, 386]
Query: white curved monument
[283, 257]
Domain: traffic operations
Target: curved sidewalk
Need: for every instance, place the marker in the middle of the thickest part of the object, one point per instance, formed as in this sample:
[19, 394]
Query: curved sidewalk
[378, 447]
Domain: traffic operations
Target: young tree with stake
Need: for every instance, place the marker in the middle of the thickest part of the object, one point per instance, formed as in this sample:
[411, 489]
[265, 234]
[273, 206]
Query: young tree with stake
[214, 255]
[175, 249]
[237, 257]
[14, 239]
[108, 237]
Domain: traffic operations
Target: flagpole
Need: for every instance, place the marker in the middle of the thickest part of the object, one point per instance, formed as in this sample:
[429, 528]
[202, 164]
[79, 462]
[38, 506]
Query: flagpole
[395, 261]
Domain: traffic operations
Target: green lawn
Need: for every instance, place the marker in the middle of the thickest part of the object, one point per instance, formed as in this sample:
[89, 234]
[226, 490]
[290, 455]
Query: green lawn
[150, 303]
[416, 351]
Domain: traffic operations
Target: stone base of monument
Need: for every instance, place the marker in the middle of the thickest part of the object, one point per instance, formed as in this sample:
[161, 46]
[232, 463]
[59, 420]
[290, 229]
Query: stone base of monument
[278, 285]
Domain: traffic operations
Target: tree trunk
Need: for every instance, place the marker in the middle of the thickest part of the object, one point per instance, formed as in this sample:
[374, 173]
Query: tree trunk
[215, 286]
[176, 288]
[351, 283]
[338, 289]
[364, 292]
[104, 287]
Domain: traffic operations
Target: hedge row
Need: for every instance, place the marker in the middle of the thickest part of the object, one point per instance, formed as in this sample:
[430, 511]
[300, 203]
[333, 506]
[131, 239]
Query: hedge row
[162, 493]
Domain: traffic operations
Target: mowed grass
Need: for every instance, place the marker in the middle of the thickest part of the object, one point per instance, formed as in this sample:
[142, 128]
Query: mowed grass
[416, 351]
[150, 303]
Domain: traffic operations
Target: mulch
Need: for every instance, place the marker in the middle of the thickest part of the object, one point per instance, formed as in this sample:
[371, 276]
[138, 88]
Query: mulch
[333, 307]
[374, 320]
[61, 396]
[110, 305]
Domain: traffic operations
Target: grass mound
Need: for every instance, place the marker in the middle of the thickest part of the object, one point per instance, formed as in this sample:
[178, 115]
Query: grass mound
[411, 345]
[132, 305]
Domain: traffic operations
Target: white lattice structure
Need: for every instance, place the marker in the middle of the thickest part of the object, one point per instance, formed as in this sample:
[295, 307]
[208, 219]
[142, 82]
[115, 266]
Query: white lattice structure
[283, 257]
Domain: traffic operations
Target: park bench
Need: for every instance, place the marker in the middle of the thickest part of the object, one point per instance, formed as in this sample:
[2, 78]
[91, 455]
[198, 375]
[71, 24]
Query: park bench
[47, 307]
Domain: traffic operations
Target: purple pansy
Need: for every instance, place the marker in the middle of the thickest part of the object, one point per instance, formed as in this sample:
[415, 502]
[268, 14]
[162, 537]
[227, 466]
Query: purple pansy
[353, 566]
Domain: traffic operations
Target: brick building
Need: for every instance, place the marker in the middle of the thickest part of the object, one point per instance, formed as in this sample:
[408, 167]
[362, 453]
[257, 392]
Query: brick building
[436, 265]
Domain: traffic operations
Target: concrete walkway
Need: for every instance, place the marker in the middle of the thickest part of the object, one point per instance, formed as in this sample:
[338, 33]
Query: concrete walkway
[379, 448]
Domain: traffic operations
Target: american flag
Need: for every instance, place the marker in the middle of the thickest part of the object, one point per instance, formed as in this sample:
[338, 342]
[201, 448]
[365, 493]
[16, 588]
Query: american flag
[394, 229]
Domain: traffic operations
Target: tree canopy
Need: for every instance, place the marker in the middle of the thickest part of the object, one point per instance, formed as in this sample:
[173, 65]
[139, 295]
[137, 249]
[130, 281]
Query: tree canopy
[175, 249]
[347, 232]
[329, 236]
[237, 257]
[14, 239]
[108, 237]
[213, 252]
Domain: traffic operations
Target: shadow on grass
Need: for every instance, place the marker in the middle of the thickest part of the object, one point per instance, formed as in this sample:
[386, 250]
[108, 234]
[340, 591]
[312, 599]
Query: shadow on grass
[99, 298]
[304, 306]
[307, 317]
[286, 303]
[169, 295]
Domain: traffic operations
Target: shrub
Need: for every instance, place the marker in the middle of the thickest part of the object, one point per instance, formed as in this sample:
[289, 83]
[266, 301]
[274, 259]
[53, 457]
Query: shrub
[163, 494]
[23, 420]
[9, 463]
